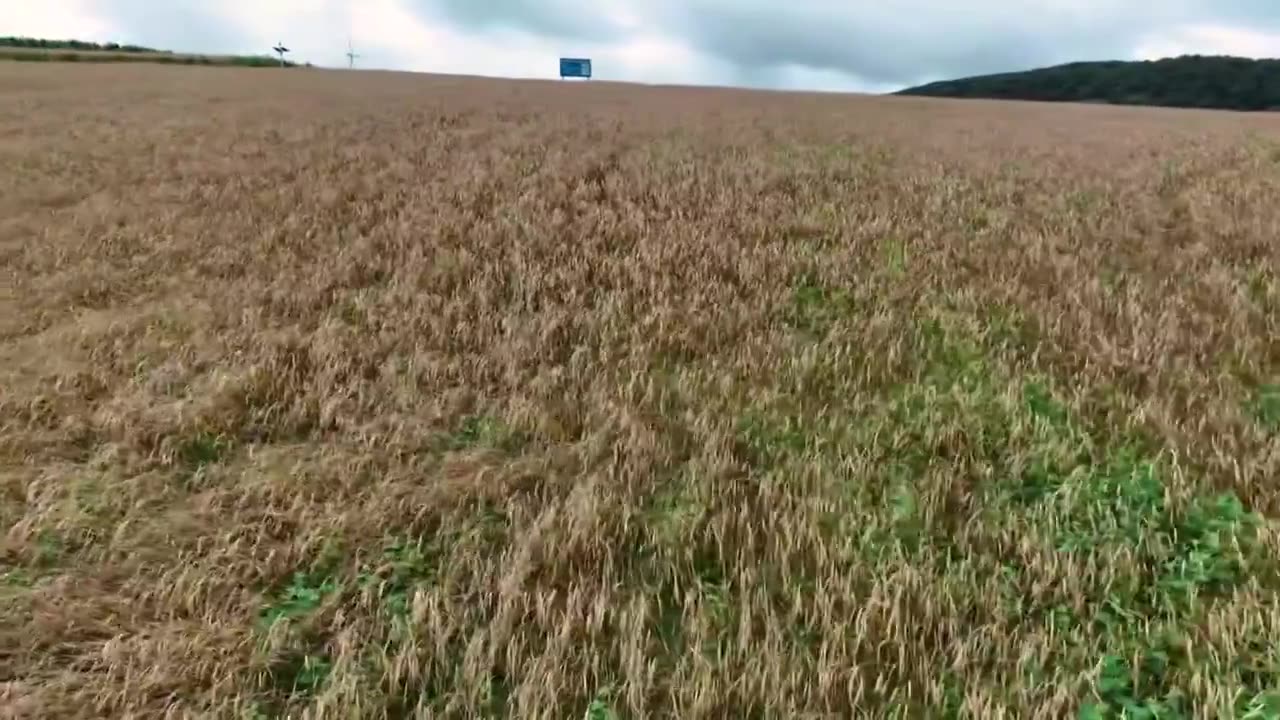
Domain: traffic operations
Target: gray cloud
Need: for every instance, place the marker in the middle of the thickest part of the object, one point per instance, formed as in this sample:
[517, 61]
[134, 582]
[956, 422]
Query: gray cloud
[569, 19]
[914, 40]
[180, 26]
[880, 47]
[198, 26]
[1258, 14]
[884, 43]
[889, 42]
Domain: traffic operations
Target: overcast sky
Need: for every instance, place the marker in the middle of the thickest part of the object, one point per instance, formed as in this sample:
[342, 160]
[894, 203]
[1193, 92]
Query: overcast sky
[862, 45]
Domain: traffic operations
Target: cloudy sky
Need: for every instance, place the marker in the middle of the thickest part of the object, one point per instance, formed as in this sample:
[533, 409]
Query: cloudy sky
[861, 45]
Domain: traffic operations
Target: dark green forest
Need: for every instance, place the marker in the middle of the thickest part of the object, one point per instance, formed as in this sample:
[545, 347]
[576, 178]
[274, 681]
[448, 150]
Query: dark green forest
[1190, 81]
[26, 49]
[81, 45]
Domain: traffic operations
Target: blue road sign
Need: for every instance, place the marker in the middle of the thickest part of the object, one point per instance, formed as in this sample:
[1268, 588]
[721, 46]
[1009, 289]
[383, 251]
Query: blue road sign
[575, 67]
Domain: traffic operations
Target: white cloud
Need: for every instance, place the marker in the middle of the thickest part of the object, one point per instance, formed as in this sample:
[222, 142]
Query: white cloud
[389, 35]
[314, 31]
[54, 19]
[812, 44]
[655, 59]
[386, 34]
[815, 79]
[1209, 40]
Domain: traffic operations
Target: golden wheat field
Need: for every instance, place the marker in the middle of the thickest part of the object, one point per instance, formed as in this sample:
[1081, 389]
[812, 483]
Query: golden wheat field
[369, 395]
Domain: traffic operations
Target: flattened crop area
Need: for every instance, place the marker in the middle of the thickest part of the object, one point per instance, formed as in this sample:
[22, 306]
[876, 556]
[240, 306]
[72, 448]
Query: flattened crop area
[336, 394]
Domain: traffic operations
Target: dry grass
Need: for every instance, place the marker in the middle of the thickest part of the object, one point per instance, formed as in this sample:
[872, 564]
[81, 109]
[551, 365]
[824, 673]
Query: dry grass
[371, 395]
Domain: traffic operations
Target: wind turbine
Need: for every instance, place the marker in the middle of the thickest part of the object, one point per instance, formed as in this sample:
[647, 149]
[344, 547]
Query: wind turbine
[280, 50]
[351, 55]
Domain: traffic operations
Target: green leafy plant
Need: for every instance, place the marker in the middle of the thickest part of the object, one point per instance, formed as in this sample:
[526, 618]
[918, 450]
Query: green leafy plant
[304, 594]
[600, 707]
[403, 566]
[1265, 407]
[1130, 693]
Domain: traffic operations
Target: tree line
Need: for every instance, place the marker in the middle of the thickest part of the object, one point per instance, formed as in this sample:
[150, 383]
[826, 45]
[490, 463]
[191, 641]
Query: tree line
[40, 49]
[80, 45]
[1191, 81]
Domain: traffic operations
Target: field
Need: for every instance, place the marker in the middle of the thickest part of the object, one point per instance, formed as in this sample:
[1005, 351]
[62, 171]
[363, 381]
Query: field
[343, 395]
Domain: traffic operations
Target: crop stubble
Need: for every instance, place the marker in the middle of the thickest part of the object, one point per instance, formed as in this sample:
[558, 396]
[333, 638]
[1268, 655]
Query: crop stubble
[369, 394]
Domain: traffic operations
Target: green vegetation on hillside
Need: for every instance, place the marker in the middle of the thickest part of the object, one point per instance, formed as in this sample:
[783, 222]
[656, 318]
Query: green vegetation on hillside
[81, 45]
[44, 50]
[1195, 81]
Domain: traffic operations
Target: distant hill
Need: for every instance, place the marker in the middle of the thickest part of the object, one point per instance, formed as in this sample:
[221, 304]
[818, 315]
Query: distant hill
[1191, 81]
[81, 45]
[39, 49]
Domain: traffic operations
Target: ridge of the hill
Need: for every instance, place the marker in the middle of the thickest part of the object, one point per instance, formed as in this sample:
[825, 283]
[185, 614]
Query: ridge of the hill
[60, 50]
[1196, 81]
